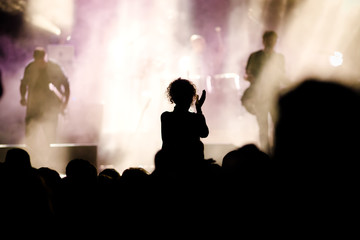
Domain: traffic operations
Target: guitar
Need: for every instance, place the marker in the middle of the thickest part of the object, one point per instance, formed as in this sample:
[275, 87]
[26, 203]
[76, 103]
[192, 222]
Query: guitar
[59, 98]
[247, 99]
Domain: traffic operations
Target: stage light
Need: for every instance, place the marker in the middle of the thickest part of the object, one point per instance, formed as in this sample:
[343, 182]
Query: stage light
[336, 59]
[45, 24]
[208, 84]
[184, 65]
[55, 16]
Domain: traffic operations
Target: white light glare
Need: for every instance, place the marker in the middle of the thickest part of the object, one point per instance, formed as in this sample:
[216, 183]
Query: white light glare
[336, 59]
[208, 84]
[44, 23]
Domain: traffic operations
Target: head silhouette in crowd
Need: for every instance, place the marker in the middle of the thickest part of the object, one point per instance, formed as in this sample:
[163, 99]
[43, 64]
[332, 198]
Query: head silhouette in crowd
[17, 158]
[182, 93]
[318, 124]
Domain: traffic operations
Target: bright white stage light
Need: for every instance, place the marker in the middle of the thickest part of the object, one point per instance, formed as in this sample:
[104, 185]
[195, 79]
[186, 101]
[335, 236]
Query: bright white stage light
[184, 65]
[55, 16]
[208, 84]
[336, 59]
[45, 24]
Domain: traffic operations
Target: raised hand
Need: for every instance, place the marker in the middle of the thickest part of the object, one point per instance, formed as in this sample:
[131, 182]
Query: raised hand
[200, 102]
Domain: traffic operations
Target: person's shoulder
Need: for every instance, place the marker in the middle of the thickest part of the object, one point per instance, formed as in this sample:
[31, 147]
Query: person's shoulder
[258, 52]
[53, 63]
[54, 67]
[29, 65]
[166, 114]
[280, 55]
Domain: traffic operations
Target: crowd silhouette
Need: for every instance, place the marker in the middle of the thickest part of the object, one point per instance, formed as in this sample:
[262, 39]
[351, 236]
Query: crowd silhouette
[308, 184]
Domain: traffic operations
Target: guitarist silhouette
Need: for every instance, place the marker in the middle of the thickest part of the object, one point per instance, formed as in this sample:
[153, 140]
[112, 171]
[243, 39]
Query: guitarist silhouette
[265, 70]
[45, 92]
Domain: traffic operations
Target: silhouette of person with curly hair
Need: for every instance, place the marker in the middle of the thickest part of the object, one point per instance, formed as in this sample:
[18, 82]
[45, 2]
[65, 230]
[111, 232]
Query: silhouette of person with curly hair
[181, 129]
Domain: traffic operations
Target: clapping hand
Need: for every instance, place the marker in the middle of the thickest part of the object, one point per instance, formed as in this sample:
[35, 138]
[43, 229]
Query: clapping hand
[200, 102]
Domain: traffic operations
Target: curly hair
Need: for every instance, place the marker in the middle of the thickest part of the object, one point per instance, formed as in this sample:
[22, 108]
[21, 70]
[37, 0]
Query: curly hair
[181, 91]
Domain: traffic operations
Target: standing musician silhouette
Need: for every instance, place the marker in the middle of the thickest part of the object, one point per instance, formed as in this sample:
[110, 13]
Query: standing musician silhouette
[45, 92]
[265, 70]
